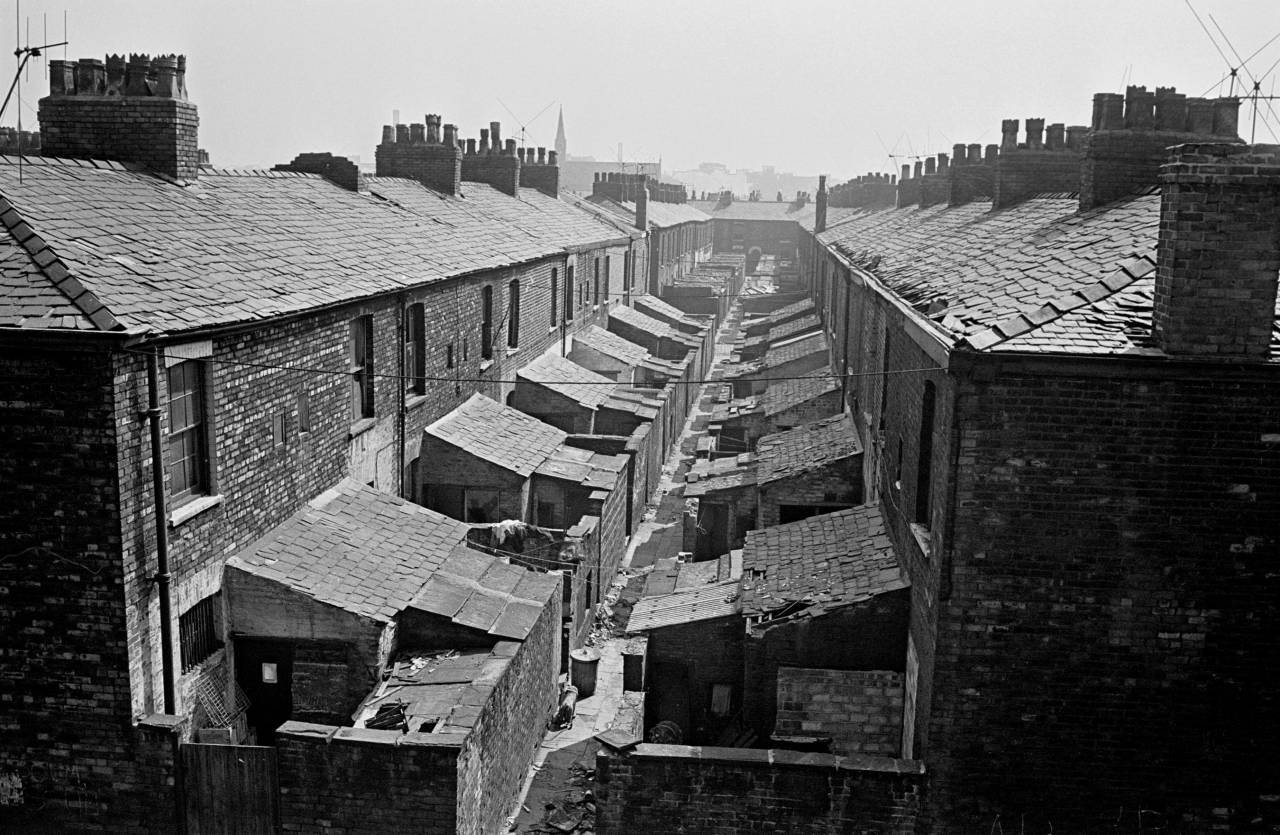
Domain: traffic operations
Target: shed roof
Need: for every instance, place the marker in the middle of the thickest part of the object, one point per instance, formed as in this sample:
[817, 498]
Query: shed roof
[498, 434]
[781, 395]
[569, 379]
[820, 563]
[716, 600]
[807, 447]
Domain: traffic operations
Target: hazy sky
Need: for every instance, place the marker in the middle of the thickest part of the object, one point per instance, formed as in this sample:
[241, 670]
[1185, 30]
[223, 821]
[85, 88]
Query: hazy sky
[809, 87]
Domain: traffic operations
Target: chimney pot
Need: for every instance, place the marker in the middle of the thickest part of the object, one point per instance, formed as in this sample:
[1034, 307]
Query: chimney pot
[551, 157]
[402, 134]
[958, 153]
[483, 147]
[993, 154]
[1226, 115]
[511, 147]
[919, 169]
[62, 78]
[451, 136]
[1108, 111]
[1200, 116]
[1171, 109]
[1055, 136]
[1075, 137]
[542, 155]
[136, 82]
[495, 136]
[166, 70]
[1139, 108]
[930, 165]
[388, 134]
[1035, 134]
[417, 133]
[1008, 134]
[433, 128]
[91, 78]
[471, 146]
[906, 171]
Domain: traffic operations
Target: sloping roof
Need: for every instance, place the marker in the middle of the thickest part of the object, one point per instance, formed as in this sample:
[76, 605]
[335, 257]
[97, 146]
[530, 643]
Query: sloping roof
[819, 563]
[659, 309]
[790, 351]
[649, 324]
[610, 344]
[436, 692]
[498, 434]
[712, 475]
[969, 268]
[800, 324]
[763, 324]
[593, 470]
[530, 213]
[374, 554]
[239, 246]
[686, 606]
[28, 299]
[754, 210]
[784, 394]
[570, 379]
[785, 454]
[660, 215]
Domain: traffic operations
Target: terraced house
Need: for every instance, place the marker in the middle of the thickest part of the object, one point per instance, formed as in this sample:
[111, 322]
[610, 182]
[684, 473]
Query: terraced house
[1061, 359]
[195, 358]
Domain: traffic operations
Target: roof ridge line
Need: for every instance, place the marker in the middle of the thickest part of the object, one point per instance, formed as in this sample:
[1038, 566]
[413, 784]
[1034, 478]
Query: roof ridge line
[55, 270]
[1137, 265]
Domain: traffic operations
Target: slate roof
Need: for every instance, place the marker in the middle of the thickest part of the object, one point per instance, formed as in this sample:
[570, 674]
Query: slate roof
[685, 606]
[28, 299]
[530, 213]
[777, 356]
[233, 246]
[659, 309]
[593, 470]
[498, 434]
[763, 324]
[755, 210]
[610, 344]
[374, 554]
[807, 447]
[784, 394]
[969, 269]
[649, 324]
[660, 215]
[569, 379]
[818, 564]
[799, 325]
[713, 475]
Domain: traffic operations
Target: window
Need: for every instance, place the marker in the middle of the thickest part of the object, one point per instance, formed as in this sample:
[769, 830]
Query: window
[513, 314]
[608, 279]
[925, 463]
[595, 282]
[278, 427]
[304, 411]
[448, 356]
[362, 367]
[486, 322]
[568, 294]
[415, 349]
[626, 279]
[555, 296]
[198, 631]
[721, 698]
[188, 431]
[884, 372]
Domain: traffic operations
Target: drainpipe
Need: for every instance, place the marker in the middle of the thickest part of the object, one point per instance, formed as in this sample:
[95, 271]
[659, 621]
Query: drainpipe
[844, 373]
[162, 578]
[402, 332]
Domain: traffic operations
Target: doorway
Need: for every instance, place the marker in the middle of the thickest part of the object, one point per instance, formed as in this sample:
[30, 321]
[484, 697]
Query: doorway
[264, 670]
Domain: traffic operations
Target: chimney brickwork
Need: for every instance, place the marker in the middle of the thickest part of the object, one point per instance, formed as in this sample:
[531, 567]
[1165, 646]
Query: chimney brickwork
[935, 186]
[1048, 161]
[433, 159]
[1219, 252]
[1131, 135]
[541, 172]
[820, 207]
[135, 111]
[339, 170]
[870, 191]
[972, 175]
[493, 162]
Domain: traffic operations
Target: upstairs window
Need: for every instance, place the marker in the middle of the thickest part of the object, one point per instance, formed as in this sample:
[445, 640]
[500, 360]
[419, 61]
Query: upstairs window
[568, 294]
[188, 447]
[924, 465]
[198, 633]
[595, 282]
[415, 349]
[555, 296]
[361, 359]
[486, 322]
[513, 314]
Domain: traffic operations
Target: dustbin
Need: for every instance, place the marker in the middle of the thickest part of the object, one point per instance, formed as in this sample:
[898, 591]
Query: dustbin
[582, 670]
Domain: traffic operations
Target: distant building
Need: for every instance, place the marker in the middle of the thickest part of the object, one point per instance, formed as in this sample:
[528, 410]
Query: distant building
[578, 173]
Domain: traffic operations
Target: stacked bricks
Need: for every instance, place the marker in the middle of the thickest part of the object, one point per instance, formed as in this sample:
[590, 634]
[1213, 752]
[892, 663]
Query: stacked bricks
[1131, 135]
[674, 788]
[972, 175]
[541, 172]
[1219, 251]
[870, 191]
[19, 142]
[339, 170]
[861, 710]
[491, 162]
[1046, 162]
[909, 189]
[422, 152]
[935, 186]
[137, 114]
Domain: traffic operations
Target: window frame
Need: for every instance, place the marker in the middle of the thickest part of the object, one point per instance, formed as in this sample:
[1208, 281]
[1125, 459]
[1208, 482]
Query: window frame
[555, 297]
[486, 322]
[193, 430]
[513, 314]
[360, 360]
[199, 637]
[415, 349]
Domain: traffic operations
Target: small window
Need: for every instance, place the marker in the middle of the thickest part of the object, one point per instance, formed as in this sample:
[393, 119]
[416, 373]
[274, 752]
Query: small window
[555, 296]
[595, 284]
[608, 278]
[568, 294]
[924, 465]
[198, 632]
[626, 279]
[362, 367]
[415, 349]
[481, 505]
[304, 411]
[448, 356]
[278, 426]
[486, 322]
[721, 699]
[188, 431]
[513, 314]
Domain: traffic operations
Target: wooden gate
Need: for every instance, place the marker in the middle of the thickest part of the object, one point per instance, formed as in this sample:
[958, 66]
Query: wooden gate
[230, 789]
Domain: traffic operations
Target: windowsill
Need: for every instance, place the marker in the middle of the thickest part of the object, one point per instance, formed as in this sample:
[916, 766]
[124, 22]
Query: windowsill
[553, 329]
[485, 365]
[923, 538]
[185, 513]
[511, 352]
[361, 426]
[413, 401]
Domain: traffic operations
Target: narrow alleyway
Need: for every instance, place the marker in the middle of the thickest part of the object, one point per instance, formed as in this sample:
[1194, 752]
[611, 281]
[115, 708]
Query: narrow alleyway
[559, 795]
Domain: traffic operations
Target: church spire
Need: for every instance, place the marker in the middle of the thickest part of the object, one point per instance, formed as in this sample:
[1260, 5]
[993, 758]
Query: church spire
[561, 153]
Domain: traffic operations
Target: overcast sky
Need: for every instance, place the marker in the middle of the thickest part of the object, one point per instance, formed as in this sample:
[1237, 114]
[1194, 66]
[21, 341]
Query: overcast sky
[809, 87]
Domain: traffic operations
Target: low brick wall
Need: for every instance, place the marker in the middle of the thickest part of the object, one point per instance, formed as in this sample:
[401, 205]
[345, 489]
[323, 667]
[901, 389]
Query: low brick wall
[861, 710]
[676, 788]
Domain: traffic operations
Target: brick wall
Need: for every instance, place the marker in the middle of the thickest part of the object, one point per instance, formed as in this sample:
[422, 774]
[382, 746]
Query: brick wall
[685, 661]
[674, 788]
[861, 710]
[159, 133]
[355, 779]
[866, 636]
[1108, 637]
[834, 486]
[501, 746]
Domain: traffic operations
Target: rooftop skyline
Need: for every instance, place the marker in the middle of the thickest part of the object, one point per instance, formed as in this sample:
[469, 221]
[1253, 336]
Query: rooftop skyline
[816, 87]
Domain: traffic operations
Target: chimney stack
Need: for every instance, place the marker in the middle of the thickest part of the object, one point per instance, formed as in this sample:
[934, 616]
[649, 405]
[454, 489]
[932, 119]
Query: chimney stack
[820, 207]
[493, 163]
[416, 152]
[136, 112]
[541, 174]
[339, 170]
[1045, 163]
[1131, 134]
[1219, 251]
